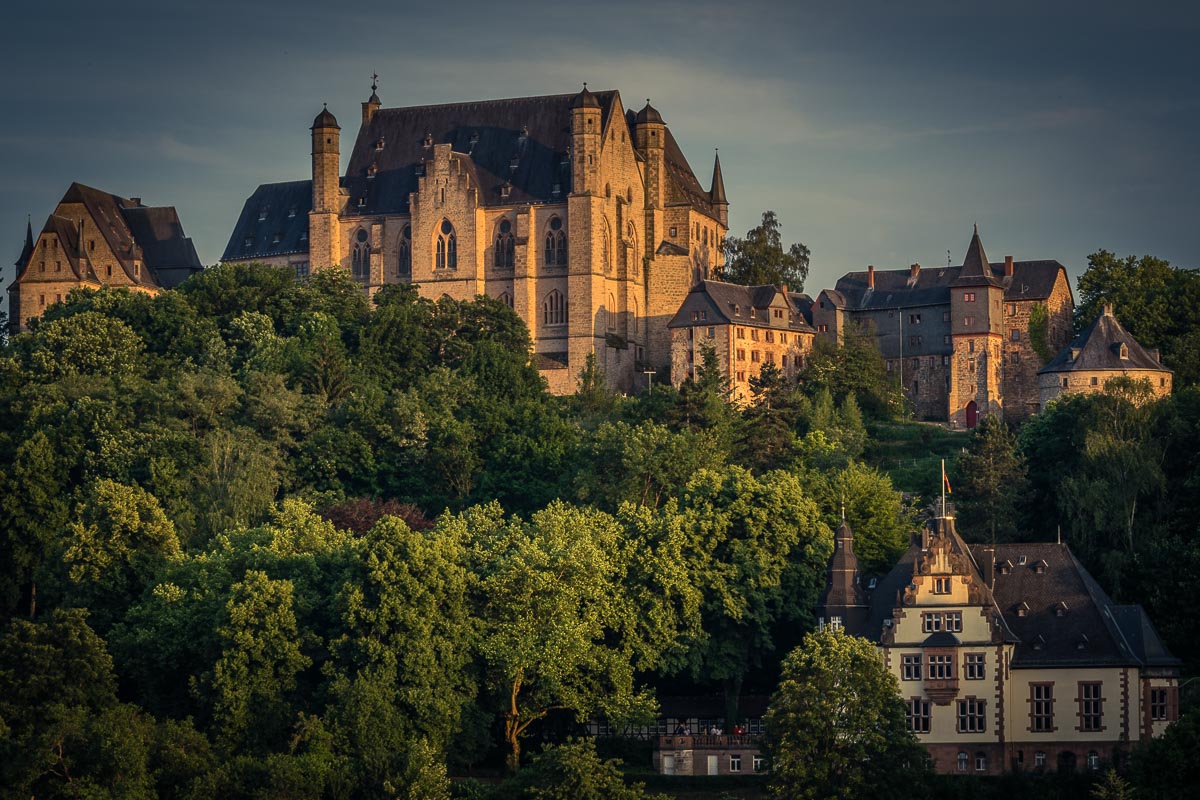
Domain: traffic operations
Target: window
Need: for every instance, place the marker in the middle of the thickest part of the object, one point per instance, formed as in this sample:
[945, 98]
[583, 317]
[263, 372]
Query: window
[946, 359]
[674, 232]
[968, 321]
[753, 331]
[971, 716]
[980, 762]
[554, 309]
[447, 247]
[1012, 309]
[914, 340]
[58, 266]
[735, 763]
[556, 244]
[1039, 759]
[1160, 705]
[1016, 335]
[1041, 707]
[975, 666]
[760, 763]
[741, 354]
[917, 715]
[108, 270]
[968, 297]
[712, 333]
[971, 346]
[755, 356]
[942, 621]
[835, 623]
[769, 336]
[301, 268]
[43, 267]
[741, 376]
[404, 252]
[822, 329]
[1064, 383]
[783, 338]
[360, 255]
[941, 585]
[611, 312]
[1095, 381]
[741, 333]
[41, 299]
[505, 245]
[914, 319]
[963, 761]
[941, 667]
[911, 667]
[91, 245]
[1091, 707]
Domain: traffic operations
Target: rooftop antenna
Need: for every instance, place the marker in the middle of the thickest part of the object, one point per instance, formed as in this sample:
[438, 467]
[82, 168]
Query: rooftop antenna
[1060, 533]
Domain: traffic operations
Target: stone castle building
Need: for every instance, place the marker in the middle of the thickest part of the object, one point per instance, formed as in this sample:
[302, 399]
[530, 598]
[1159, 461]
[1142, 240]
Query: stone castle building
[1009, 657]
[584, 217]
[1102, 351]
[957, 338]
[95, 239]
[748, 326]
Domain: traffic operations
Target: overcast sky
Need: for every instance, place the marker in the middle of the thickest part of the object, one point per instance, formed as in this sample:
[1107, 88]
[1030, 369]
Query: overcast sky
[878, 131]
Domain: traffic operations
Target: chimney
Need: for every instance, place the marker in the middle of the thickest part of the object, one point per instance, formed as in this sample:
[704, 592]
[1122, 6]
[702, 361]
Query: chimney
[1008, 266]
[871, 276]
[989, 567]
[1154, 354]
[1108, 309]
[783, 288]
[914, 271]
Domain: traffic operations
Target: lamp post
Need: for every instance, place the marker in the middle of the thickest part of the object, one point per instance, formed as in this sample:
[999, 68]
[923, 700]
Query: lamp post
[649, 373]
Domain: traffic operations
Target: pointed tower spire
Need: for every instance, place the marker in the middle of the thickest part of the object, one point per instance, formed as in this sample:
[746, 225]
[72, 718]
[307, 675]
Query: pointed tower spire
[27, 250]
[976, 270]
[716, 192]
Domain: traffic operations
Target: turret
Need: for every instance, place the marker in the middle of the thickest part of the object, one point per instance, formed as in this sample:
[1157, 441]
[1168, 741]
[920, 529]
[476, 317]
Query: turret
[716, 193]
[585, 143]
[649, 136]
[27, 250]
[843, 603]
[373, 102]
[326, 162]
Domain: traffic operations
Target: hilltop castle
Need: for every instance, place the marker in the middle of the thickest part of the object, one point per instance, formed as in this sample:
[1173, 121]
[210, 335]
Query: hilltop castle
[582, 216]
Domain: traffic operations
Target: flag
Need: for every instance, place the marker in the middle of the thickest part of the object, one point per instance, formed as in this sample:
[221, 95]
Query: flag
[946, 479]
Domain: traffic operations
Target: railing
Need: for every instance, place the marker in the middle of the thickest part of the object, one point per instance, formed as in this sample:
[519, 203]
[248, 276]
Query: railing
[708, 741]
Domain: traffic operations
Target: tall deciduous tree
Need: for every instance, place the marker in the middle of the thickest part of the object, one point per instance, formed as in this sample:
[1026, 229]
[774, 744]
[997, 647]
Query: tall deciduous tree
[835, 727]
[991, 481]
[760, 257]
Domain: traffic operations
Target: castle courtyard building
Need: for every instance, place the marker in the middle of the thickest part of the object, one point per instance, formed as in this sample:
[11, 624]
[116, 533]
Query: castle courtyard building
[958, 339]
[96, 239]
[582, 216]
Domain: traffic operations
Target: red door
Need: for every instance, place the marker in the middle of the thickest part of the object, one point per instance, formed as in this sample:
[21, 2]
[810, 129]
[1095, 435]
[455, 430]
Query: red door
[972, 414]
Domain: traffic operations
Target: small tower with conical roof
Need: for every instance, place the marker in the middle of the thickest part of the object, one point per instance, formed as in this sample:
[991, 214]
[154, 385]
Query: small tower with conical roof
[716, 193]
[323, 242]
[843, 603]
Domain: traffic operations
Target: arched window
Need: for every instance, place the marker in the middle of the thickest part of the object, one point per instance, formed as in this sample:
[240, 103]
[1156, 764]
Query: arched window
[404, 253]
[505, 245]
[556, 244]
[360, 255]
[631, 239]
[606, 248]
[554, 309]
[611, 312]
[506, 298]
[635, 323]
[447, 247]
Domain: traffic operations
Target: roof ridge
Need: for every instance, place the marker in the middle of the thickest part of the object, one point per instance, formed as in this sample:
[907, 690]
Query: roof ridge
[493, 101]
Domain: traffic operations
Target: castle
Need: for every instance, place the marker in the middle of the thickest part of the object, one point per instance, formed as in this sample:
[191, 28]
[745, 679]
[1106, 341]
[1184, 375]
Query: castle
[959, 340]
[582, 216]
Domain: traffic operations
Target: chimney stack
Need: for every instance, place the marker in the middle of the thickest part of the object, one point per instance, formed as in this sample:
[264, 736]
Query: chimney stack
[1008, 266]
[989, 567]
[783, 288]
[871, 276]
[914, 271]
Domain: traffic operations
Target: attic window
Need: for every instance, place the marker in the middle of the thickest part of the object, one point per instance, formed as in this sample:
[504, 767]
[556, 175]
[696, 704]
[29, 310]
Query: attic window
[1022, 609]
[362, 200]
[371, 170]
[1124, 351]
[1061, 609]
[737, 310]
[262, 214]
[92, 246]
[277, 238]
[304, 235]
[1074, 353]
[248, 242]
[1039, 642]
[1040, 566]
[1083, 642]
[379, 144]
[428, 139]
[556, 190]
[1022, 560]
[291, 212]
[506, 190]
[419, 169]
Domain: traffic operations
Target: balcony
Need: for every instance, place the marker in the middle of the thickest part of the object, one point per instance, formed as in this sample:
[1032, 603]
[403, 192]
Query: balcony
[725, 741]
[941, 690]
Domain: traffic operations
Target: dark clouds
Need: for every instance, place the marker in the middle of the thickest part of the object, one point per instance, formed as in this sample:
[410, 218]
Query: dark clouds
[879, 131]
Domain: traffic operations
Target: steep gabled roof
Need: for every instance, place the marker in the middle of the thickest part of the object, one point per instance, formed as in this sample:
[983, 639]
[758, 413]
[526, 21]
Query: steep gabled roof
[27, 250]
[1098, 347]
[723, 301]
[894, 288]
[274, 221]
[976, 268]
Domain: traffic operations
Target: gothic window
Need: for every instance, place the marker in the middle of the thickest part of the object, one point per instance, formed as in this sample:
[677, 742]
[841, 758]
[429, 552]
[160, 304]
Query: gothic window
[505, 245]
[633, 315]
[554, 309]
[556, 244]
[447, 247]
[606, 250]
[611, 312]
[360, 255]
[506, 298]
[404, 252]
[631, 237]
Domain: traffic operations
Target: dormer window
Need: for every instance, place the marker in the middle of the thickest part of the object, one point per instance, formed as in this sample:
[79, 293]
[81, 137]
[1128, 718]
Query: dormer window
[362, 201]
[505, 190]
[1124, 351]
[428, 139]
[371, 170]
[262, 214]
[248, 242]
[1083, 642]
[1061, 609]
[277, 238]
[1022, 560]
[291, 212]
[419, 169]
[379, 144]
[1074, 353]
[556, 190]
[1040, 567]
[1023, 609]
[1039, 642]
[304, 235]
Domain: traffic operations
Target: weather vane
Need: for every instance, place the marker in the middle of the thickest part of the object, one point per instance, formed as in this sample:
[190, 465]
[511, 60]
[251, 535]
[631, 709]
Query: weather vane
[374, 81]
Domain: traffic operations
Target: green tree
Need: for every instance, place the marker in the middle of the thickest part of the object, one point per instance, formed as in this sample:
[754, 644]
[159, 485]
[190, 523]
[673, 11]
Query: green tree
[991, 478]
[760, 258]
[835, 727]
[853, 367]
[573, 771]
[875, 511]
[1166, 767]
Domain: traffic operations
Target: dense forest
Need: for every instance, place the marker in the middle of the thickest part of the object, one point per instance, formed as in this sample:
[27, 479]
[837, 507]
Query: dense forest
[267, 538]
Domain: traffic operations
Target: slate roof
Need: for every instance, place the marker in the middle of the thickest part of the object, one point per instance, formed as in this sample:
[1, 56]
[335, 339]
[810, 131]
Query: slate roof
[976, 268]
[132, 231]
[719, 299]
[1092, 630]
[1098, 347]
[283, 227]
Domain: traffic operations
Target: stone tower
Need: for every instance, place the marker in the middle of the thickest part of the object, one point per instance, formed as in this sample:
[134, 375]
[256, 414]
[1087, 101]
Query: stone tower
[976, 338]
[649, 134]
[323, 228]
